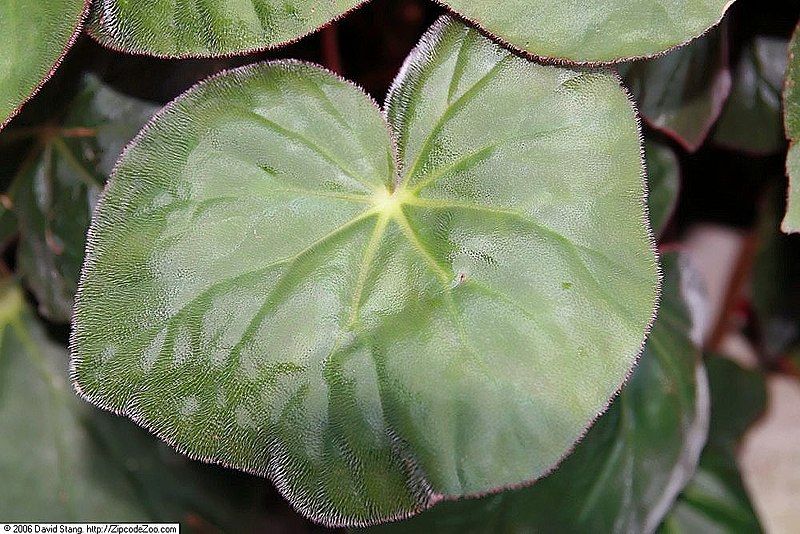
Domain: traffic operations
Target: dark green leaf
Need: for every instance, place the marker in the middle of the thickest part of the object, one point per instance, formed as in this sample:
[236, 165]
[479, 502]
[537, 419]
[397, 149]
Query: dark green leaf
[56, 189]
[776, 282]
[272, 285]
[682, 92]
[8, 223]
[751, 119]
[715, 501]
[67, 462]
[663, 182]
[631, 465]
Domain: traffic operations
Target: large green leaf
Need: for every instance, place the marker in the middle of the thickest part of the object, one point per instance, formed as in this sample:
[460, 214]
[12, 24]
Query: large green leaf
[663, 183]
[56, 189]
[67, 462]
[272, 285]
[210, 28]
[791, 121]
[633, 462]
[34, 36]
[751, 120]
[716, 500]
[682, 93]
[593, 30]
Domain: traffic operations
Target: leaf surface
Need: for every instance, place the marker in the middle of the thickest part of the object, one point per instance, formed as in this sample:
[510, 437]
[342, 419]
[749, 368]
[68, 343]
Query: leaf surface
[776, 282]
[56, 189]
[288, 293]
[716, 501]
[68, 462]
[663, 183]
[751, 119]
[210, 28]
[682, 93]
[791, 121]
[625, 473]
[34, 36]
[594, 30]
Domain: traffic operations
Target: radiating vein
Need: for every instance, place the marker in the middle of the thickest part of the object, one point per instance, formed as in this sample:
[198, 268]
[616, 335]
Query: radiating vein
[449, 112]
[313, 146]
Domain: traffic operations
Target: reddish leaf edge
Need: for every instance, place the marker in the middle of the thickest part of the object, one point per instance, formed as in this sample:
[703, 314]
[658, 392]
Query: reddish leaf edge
[430, 496]
[538, 58]
[74, 37]
[573, 62]
[221, 55]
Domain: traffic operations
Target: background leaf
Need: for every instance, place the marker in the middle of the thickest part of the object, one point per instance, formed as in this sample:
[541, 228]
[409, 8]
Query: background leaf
[751, 120]
[595, 30]
[34, 36]
[663, 182]
[716, 500]
[623, 476]
[682, 92]
[211, 28]
[57, 188]
[776, 283]
[277, 296]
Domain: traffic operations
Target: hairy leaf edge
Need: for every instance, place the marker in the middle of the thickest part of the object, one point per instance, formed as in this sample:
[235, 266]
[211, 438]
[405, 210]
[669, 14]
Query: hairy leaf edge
[543, 59]
[425, 47]
[425, 44]
[570, 62]
[76, 32]
[90, 31]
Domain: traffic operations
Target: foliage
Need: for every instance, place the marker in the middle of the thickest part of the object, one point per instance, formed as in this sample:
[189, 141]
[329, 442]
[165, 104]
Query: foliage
[715, 500]
[388, 263]
[34, 36]
[626, 472]
[682, 93]
[451, 302]
[79, 464]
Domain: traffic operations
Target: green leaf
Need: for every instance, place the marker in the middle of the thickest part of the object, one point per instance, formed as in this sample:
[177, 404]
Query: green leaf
[751, 120]
[55, 191]
[68, 462]
[682, 92]
[663, 181]
[597, 32]
[34, 36]
[8, 223]
[791, 120]
[80, 464]
[776, 282]
[209, 28]
[738, 398]
[593, 30]
[716, 500]
[271, 285]
[625, 473]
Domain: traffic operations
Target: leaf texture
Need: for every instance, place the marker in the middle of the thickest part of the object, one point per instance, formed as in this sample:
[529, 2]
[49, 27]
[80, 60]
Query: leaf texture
[272, 284]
